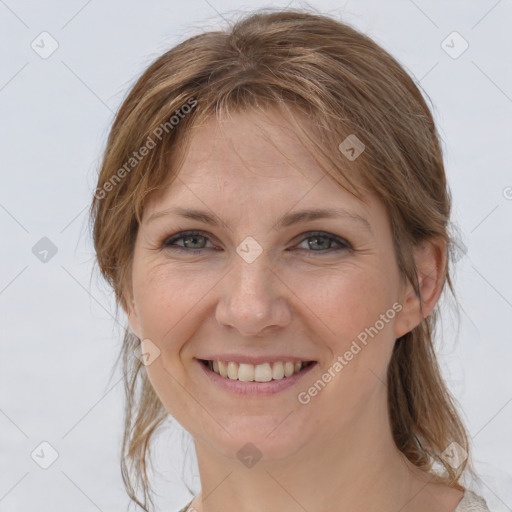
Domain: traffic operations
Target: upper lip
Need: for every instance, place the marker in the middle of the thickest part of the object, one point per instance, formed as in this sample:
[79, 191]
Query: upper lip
[244, 358]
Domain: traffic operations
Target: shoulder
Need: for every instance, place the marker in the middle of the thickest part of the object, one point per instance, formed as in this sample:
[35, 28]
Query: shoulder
[471, 502]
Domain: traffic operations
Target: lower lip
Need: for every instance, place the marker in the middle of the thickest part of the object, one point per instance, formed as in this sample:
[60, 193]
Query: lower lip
[255, 388]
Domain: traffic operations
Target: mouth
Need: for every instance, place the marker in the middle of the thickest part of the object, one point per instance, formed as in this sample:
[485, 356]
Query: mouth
[266, 379]
[264, 372]
[261, 380]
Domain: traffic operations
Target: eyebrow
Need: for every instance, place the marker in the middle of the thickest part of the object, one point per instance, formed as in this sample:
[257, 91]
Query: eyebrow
[287, 220]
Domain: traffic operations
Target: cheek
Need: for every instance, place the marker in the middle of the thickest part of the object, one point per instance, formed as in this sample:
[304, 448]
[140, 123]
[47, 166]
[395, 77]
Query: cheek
[346, 300]
[168, 302]
[165, 296]
[171, 305]
[346, 309]
[353, 317]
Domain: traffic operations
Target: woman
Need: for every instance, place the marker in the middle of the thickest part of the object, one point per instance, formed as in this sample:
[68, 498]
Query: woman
[272, 213]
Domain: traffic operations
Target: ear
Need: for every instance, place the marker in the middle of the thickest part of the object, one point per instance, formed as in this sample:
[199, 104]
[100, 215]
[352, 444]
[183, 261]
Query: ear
[430, 260]
[129, 307]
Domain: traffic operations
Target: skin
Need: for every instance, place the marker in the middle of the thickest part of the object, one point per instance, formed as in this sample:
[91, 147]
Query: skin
[336, 452]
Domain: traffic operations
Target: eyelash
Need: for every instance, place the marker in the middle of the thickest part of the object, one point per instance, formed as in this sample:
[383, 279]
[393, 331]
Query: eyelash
[169, 242]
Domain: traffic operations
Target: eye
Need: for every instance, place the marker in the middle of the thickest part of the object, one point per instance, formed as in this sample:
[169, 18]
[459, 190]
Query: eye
[190, 240]
[323, 242]
[195, 242]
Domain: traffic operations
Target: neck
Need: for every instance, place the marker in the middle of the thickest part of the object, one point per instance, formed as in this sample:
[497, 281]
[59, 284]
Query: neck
[355, 468]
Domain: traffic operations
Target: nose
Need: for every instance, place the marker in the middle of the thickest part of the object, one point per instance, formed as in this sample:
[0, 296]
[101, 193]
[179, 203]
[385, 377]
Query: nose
[253, 299]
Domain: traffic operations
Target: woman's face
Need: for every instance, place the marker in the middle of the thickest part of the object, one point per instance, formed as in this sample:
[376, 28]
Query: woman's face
[265, 289]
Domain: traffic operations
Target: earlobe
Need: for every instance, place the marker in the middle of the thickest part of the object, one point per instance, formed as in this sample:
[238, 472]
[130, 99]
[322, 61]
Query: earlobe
[430, 261]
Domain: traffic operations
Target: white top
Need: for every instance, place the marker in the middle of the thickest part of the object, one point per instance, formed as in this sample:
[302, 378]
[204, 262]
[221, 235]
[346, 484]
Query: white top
[471, 502]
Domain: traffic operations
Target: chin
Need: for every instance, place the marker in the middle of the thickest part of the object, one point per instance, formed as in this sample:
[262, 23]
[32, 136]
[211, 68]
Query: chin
[258, 438]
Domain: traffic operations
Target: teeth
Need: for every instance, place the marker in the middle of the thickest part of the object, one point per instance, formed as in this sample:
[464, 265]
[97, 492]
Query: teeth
[232, 370]
[223, 370]
[246, 372]
[278, 371]
[264, 372]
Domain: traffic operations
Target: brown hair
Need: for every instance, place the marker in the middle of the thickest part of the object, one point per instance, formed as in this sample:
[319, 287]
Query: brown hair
[345, 84]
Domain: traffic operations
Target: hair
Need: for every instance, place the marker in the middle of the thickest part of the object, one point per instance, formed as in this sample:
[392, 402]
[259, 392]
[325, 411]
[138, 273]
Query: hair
[344, 84]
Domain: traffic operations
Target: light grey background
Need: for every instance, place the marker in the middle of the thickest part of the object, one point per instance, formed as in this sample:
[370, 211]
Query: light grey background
[59, 338]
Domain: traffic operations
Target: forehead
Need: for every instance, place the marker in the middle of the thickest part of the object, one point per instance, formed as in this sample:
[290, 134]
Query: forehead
[251, 144]
[253, 154]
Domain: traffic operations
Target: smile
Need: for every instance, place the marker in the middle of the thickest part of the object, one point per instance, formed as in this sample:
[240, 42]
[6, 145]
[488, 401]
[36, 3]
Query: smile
[264, 372]
[259, 379]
